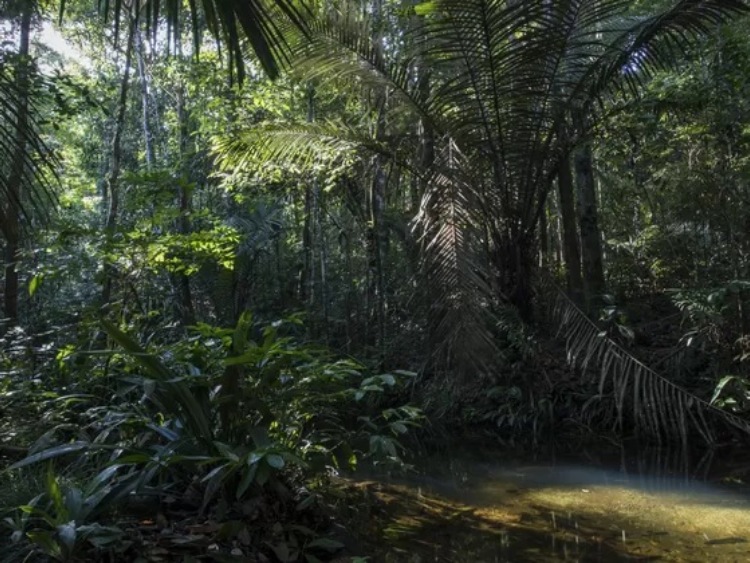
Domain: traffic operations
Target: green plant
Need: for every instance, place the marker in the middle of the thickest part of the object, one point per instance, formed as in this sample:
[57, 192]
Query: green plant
[293, 411]
[732, 393]
[62, 522]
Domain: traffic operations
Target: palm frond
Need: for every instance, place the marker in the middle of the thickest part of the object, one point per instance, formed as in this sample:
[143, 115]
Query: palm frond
[339, 47]
[635, 48]
[658, 407]
[460, 312]
[303, 144]
[38, 164]
[260, 22]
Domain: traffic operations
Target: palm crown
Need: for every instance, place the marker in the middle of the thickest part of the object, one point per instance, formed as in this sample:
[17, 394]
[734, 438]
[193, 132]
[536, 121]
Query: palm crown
[504, 79]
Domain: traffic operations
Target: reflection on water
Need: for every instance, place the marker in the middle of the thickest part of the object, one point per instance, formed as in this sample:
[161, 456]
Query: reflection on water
[640, 506]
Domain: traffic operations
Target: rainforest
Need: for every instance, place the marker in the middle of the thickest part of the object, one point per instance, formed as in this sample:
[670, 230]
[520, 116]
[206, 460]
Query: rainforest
[374, 280]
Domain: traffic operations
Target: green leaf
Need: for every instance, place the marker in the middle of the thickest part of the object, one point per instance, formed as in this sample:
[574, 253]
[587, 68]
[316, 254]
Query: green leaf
[723, 383]
[45, 540]
[67, 533]
[51, 453]
[424, 8]
[275, 461]
[399, 427]
[326, 543]
[34, 284]
[247, 478]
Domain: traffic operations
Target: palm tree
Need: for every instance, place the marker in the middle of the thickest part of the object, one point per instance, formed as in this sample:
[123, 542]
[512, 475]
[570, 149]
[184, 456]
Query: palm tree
[505, 78]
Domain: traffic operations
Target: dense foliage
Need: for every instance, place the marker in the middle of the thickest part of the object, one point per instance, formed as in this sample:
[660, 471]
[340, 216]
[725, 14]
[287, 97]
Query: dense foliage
[209, 209]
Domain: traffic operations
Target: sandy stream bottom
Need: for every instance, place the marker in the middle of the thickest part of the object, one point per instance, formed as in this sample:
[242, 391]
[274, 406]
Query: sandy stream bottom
[518, 520]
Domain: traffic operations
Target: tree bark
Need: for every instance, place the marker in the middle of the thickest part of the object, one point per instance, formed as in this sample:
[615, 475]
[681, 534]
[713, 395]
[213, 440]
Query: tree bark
[591, 239]
[12, 212]
[307, 277]
[181, 281]
[145, 102]
[571, 252]
[378, 232]
[113, 178]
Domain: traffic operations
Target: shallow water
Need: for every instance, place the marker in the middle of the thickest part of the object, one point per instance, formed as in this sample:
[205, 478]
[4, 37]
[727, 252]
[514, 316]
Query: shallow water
[643, 507]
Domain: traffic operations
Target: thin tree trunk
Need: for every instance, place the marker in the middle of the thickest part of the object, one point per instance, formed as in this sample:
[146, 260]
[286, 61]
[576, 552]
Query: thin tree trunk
[113, 178]
[323, 255]
[184, 195]
[145, 101]
[571, 252]
[426, 144]
[591, 239]
[378, 234]
[12, 212]
[307, 279]
[543, 240]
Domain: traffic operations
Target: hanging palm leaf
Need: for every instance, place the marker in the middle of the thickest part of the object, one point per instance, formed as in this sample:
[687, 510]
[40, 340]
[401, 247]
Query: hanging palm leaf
[29, 190]
[260, 22]
[656, 406]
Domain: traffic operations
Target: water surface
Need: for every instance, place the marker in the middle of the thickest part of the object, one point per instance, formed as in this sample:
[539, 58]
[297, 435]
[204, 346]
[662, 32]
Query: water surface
[642, 506]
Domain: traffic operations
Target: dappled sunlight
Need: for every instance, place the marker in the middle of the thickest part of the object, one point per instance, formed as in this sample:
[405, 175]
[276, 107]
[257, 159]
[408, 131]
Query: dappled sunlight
[554, 513]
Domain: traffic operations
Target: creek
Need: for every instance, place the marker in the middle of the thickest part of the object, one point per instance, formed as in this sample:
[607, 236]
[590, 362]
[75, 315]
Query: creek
[637, 505]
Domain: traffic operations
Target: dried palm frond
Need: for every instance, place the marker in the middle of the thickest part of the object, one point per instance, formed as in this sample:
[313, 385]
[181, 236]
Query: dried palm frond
[656, 406]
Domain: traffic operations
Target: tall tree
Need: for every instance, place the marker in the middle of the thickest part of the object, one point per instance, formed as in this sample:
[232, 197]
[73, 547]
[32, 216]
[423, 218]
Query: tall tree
[112, 184]
[507, 74]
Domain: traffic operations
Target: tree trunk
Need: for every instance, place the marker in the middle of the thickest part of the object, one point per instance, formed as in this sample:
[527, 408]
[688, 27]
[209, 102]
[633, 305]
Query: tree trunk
[543, 239]
[571, 252]
[145, 102]
[12, 212]
[307, 277]
[113, 178]
[591, 238]
[181, 282]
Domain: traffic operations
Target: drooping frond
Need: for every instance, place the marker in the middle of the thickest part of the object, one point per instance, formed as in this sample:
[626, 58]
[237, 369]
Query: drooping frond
[303, 145]
[448, 225]
[231, 22]
[635, 48]
[37, 166]
[656, 406]
[339, 47]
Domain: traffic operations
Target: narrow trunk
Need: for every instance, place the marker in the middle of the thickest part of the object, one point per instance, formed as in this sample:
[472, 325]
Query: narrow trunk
[307, 277]
[571, 252]
[378, 232]
[543, 239]
[426, 144]
[113, 178]
[323, 255]
[184, 226]
[591, 243]
[145, 102]
[12, 228]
